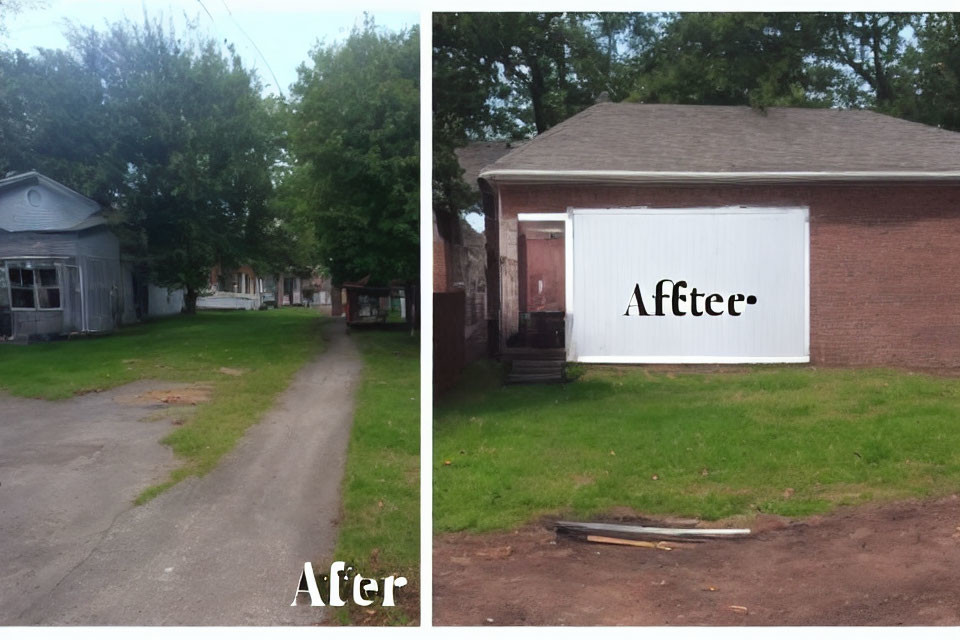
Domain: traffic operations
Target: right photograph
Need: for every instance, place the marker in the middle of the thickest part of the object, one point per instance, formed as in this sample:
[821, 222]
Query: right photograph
[696, 319]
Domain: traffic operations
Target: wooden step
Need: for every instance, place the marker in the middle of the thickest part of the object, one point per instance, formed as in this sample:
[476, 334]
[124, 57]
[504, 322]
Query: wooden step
[537, 365]
[536, 371]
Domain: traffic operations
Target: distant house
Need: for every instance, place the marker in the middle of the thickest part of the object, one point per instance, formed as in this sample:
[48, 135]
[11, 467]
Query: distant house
[239, 288]
[460, 258]
[317, 291]
[244, 288]
[364, 304]
[61, 270]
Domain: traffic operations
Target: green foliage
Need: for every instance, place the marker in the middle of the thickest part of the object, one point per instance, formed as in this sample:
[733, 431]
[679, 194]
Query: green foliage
[198, 141]
[752, 59]
[355, 136]
[720, 445]
[511, 75]
[380, 530]
[929, 88]
[515, 74]
[52, 119]
[168, 132]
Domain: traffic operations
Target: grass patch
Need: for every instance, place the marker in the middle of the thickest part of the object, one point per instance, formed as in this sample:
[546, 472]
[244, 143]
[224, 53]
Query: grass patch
[777, 439]
[380, 527]
[268, 347]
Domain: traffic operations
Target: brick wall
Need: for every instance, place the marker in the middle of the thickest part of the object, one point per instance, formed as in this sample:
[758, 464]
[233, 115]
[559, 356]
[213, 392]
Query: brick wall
[441, 258]
[884, 260]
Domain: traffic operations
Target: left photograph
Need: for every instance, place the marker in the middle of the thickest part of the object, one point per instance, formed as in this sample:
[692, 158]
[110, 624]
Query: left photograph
[209, 314]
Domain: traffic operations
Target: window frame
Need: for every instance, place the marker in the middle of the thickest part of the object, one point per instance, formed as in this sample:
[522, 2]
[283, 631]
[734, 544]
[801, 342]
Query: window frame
[35, 287]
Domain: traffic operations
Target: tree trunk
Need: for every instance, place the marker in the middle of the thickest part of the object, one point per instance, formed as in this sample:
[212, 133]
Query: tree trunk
[190, 301]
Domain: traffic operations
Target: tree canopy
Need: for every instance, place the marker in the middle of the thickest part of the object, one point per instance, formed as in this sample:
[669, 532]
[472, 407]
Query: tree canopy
[172, 134]
[354, 139]
[513, 75]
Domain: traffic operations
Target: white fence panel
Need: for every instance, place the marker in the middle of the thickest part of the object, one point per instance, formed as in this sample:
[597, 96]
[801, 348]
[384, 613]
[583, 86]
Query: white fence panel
[761, 254]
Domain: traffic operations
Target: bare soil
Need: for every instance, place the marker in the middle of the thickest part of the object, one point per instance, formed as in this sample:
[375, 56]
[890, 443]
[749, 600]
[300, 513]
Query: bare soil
[890, 564]
[182, 394]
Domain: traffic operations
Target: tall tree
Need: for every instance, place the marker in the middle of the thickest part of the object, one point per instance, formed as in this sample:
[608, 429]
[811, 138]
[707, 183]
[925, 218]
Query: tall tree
[927, 87]
[869, 46]
[197, 143]
[757, 59]
[10, 8]
[511, 75]
[53, 120]
[355, 136]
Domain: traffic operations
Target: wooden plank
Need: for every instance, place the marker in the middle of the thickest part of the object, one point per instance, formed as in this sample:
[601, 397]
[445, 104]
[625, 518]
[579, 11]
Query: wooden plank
[663, 546]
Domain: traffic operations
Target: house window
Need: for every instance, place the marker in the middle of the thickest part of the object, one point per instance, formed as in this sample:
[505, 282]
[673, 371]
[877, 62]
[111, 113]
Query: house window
[37, 288]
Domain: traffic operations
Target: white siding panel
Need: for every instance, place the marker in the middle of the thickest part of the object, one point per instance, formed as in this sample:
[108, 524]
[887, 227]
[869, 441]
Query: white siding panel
[759, 252]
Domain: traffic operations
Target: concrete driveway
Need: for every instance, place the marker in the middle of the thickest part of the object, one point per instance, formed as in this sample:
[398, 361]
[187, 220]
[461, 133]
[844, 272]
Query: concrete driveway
[224, 549]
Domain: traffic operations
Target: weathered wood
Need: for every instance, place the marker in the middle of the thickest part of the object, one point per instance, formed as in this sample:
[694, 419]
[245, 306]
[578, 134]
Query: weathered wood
[662, 545]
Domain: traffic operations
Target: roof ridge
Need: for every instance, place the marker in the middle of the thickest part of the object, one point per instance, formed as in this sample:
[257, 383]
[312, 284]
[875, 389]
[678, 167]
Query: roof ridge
[734, 139]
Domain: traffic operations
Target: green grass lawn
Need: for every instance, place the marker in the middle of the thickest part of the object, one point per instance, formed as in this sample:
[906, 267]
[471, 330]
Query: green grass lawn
[380, 526]
[267, 347]
[776, 439]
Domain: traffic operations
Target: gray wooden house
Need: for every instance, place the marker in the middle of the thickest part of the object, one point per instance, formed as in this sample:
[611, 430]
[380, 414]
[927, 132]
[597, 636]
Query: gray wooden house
[60, 266]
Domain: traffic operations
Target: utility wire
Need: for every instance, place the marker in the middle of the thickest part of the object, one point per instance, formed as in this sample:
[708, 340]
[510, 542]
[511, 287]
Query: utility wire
[260, 53]
[237, 24]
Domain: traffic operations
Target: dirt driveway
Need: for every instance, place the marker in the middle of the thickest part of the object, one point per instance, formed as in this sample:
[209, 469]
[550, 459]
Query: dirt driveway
[226, 548]
[894, 564]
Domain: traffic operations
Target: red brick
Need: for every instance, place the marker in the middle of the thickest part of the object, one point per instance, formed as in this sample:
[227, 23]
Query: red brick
[884, 259]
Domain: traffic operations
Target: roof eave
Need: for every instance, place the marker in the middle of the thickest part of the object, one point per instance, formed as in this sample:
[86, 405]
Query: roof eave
[536, 176]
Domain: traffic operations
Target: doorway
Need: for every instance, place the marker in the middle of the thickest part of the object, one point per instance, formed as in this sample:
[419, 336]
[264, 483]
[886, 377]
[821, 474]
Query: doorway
[541, 264]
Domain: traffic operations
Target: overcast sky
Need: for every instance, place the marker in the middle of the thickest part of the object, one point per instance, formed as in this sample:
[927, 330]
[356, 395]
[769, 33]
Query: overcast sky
[283, 30]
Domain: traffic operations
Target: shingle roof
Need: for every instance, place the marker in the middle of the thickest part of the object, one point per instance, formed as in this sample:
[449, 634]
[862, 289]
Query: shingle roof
[477, 155]
[629, 137]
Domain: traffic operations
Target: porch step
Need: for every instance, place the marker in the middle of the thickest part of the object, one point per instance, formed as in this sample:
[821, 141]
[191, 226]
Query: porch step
[525, 371]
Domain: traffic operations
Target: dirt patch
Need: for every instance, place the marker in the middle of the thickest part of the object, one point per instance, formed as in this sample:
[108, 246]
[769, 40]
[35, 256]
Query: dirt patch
[186, 395]
[892, 564]
[227, 371]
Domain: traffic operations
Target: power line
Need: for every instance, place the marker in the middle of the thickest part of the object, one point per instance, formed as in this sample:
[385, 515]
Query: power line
[260, 53]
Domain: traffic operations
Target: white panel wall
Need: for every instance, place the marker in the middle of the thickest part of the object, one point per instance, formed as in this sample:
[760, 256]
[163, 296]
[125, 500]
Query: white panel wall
[763, 252]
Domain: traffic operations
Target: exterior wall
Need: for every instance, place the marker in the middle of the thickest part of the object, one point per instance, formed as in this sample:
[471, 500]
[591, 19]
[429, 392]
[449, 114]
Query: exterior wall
[42, 204]
[473, 260]
[102, 279]
[883, 260]
[443, 261]
[163, 302]
[33, 244]
[97, 253]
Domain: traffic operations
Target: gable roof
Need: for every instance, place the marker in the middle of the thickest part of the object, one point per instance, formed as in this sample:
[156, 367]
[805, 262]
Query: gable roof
[476, 155]
[33, 202]
[684, 143]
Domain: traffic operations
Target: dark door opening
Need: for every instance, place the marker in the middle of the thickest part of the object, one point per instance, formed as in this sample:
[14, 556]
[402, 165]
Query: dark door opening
[542, 285]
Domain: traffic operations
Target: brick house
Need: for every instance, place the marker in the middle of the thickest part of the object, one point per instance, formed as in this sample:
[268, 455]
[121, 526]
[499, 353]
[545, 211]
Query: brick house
[609, 233]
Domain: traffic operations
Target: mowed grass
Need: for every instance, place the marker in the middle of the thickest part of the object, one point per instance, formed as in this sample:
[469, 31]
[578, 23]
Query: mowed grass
[266, 347]
[778, 439]
[380, 525]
